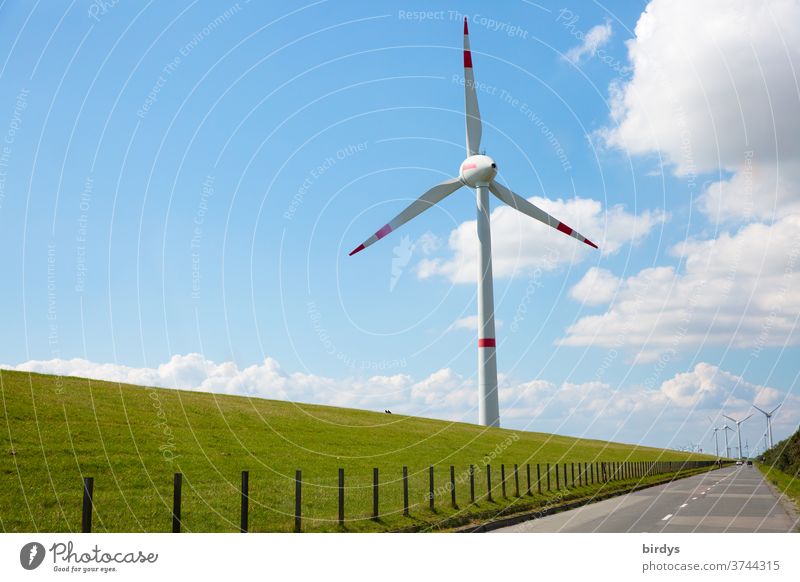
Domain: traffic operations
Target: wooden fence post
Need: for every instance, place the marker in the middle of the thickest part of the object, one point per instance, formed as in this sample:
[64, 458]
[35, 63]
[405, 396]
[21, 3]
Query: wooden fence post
[548, 476]
[298, 479]
[489, 481]
[558, 484]
[177, 480]
[516, 481]
[375, 493]
[538, 479]
[245, 511]
[503, 478]
[471, 484]
[405, 490]
[528, 471]
[341, 497]
[453, 486]
[88, 503]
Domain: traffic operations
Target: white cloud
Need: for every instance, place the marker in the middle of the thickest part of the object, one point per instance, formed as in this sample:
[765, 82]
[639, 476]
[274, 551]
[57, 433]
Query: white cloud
[597, 37]
[597, 287]
[671, 414]
[739, 289]
[520, 243]
[708, 390]
[470, 323]
[265, 380]
[715, 89]
[594, 409]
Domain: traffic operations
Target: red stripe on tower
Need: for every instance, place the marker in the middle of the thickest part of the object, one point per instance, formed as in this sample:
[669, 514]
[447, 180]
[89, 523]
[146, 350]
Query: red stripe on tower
[564, 228]
[487, 342]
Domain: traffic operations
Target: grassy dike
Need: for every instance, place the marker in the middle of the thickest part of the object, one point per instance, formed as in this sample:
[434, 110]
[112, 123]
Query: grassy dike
[132, 440]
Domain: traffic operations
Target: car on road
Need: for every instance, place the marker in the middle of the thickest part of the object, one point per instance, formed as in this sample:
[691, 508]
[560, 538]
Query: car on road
[738, 463]
[749, 463]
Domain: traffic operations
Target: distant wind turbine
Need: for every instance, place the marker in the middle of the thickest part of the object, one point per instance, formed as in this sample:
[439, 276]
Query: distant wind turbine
[725, 428]
[716, 430]
[739, 429]
[769, 422]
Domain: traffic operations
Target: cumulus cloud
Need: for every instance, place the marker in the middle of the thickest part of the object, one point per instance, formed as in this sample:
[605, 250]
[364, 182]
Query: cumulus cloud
[675, 411]
[597, 37]
[714, 89]
[593, 409]
[265, 380]
[709, 388]
[520, 244]
[738, 290]
[597, 287]
[470, 323]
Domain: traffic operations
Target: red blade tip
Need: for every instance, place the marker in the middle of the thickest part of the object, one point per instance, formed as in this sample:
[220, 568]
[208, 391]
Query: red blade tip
[590, 243]
[466, 30]
[358, 249]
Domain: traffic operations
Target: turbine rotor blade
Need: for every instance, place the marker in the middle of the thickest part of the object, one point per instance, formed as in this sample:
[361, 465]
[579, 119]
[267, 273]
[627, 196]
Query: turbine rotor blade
[774, 409]
[420, 205]
[471, 110]
[518, 202]
[761, 411]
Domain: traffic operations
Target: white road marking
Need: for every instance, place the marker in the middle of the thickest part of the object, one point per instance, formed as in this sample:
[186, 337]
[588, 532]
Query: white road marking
[684, 505]
[693, 498]
[666, 517]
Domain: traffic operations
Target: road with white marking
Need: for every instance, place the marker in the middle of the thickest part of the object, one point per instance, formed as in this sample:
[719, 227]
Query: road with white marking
[734, 499]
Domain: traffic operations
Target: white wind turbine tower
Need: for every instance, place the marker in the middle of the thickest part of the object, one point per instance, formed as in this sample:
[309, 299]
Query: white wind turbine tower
[725, 428]
[716, 430]
[739, 429]
[478, 172]
[769, 423]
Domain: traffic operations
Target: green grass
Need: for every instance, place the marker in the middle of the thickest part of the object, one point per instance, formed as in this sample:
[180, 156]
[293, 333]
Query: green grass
[132, 439]
[789, 485]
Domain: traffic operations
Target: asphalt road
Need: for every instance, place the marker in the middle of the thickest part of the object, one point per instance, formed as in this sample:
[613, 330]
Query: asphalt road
[734, 499]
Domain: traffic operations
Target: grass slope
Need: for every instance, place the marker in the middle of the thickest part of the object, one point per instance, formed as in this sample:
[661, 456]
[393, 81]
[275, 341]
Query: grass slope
[788, 484]
[781, 465]
[132, 439]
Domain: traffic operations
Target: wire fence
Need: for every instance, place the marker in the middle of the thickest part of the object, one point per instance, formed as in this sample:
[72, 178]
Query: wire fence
[514, 480]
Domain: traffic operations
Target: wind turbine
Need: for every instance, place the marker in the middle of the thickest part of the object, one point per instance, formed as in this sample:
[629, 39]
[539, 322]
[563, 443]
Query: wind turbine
[478, 172]
[769, 422]
[739, 429]
[725, 428]
[716, 429]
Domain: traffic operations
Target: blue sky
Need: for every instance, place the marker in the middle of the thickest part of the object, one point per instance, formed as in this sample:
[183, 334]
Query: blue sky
[187, 178]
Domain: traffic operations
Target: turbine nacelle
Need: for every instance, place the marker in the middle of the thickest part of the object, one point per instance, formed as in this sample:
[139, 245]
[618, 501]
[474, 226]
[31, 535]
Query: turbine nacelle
[478, 170]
